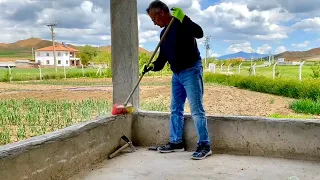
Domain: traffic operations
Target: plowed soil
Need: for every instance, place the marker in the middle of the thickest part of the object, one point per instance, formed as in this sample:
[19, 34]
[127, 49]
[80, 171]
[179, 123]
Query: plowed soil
[218, 99]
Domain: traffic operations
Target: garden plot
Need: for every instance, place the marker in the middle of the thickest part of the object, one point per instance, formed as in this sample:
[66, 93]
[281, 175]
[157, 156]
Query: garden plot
[31, 109]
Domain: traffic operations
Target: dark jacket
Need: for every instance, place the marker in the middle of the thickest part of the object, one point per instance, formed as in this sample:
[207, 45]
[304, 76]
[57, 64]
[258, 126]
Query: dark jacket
[179, 48]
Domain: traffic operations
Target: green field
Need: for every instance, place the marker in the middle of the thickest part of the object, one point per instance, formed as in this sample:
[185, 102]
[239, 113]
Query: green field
[50, 73]
[281, 71]
[16, 54]
[21, 119]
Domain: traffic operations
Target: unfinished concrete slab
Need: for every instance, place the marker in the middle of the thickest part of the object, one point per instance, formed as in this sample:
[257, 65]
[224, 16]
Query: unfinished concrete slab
[144, 164]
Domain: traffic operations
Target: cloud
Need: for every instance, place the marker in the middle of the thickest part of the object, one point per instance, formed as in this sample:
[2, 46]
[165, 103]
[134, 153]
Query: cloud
[245, 47]
[301, 45]
[305, 6]
[78, 22]
[280, 49]
[264, 49]
[212, 54]
[310, 24]
[233, 21]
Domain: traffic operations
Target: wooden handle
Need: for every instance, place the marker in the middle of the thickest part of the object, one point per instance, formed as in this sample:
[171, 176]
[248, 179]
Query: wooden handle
[118, 151]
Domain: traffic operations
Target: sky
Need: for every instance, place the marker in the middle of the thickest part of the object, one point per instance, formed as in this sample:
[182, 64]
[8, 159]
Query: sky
[260, 26]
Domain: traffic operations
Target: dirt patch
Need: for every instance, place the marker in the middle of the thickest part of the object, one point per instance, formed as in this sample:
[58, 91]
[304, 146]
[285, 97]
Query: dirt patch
[218, 99]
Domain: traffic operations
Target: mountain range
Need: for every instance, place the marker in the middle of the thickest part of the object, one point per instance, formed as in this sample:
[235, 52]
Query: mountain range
[244, 55]
[309, 55]
[23, 49]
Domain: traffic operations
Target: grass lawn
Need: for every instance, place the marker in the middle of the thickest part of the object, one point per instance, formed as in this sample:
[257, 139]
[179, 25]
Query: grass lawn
[284, 71]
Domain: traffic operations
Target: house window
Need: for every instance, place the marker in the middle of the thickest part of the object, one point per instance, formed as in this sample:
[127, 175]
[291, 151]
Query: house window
[67, 54]
[67, 62]
[48, 54]
[48, 62]
[59, 61]
[59, 53]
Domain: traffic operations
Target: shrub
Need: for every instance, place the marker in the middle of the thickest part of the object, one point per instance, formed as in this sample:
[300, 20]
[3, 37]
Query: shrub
[307, 106]
[283, 87]
[316, 71]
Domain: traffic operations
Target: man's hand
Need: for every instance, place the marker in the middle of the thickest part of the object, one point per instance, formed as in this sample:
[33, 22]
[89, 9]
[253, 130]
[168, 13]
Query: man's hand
[177, 13]
[146, 69]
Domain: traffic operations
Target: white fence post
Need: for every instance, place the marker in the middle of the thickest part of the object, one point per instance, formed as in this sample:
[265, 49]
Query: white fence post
[10, 75]
[239, 68]
[229, 68]
[212, 67]
[300, 71]
[82, 70]
[221, 66]
[254, 69]
[274, 70]
[99, 70]
[64, 72]
[40, 72]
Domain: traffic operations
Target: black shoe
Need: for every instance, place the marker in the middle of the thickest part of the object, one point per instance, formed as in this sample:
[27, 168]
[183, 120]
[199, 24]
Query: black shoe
[202, 152]
[170, 147]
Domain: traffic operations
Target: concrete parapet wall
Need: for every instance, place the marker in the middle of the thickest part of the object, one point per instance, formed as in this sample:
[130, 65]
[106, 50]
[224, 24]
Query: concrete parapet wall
[285, 138]
[60, 154]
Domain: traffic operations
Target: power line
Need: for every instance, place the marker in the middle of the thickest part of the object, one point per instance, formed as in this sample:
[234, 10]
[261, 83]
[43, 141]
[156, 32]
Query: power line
[51, 27]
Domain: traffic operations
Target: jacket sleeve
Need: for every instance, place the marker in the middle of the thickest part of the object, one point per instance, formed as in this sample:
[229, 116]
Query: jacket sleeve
[159, 62]
[192, 29]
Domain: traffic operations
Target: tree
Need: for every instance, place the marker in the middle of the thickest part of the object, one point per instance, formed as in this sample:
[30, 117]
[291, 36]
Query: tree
[87, 54]
[103, 57]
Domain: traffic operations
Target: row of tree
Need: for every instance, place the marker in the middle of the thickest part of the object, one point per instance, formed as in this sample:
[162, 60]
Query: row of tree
[95, 55]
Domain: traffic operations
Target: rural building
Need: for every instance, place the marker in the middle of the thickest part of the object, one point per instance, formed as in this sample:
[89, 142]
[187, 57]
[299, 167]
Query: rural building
[66, 56]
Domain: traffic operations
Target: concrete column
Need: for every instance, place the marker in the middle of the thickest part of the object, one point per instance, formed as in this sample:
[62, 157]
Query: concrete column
[125, 43]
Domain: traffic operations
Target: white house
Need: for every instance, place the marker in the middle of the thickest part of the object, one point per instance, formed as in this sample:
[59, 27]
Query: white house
[66, 56]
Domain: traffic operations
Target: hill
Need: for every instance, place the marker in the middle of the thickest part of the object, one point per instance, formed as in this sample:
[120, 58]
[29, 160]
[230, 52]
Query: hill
[242, 54]
[108, 49]
[22, 49]
[310, 55]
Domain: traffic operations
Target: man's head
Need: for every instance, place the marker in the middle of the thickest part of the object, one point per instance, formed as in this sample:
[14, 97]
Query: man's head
[159, 13]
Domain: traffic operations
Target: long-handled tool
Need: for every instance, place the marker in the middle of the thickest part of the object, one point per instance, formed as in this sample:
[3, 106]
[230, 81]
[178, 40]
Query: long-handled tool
[128, 144]
[124, 109]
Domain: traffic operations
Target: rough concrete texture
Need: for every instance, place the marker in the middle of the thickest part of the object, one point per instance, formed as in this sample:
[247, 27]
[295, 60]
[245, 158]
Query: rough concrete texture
[125, 55]
[153, 165]
[238, 135]
[62, 153]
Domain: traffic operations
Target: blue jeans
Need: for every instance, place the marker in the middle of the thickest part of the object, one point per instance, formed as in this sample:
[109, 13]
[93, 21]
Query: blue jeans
[188, 84]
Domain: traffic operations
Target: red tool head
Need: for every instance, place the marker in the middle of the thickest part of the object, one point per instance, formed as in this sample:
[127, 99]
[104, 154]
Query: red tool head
[120, 109]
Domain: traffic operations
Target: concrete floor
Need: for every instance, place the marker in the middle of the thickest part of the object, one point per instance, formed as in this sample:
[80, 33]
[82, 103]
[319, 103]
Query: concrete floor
[145, 165]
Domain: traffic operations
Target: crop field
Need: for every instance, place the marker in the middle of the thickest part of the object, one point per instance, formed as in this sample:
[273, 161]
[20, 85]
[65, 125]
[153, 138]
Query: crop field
[31, 107]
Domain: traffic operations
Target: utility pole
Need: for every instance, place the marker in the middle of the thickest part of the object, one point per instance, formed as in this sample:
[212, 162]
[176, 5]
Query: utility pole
[51, 27]
[33, 55]
[269, 57]
[207, 46]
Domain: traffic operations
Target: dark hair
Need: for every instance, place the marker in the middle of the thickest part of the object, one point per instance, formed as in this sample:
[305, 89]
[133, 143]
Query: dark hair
[157, 4]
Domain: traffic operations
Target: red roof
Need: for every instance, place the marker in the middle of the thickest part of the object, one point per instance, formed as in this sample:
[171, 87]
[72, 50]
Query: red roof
[58, 47]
